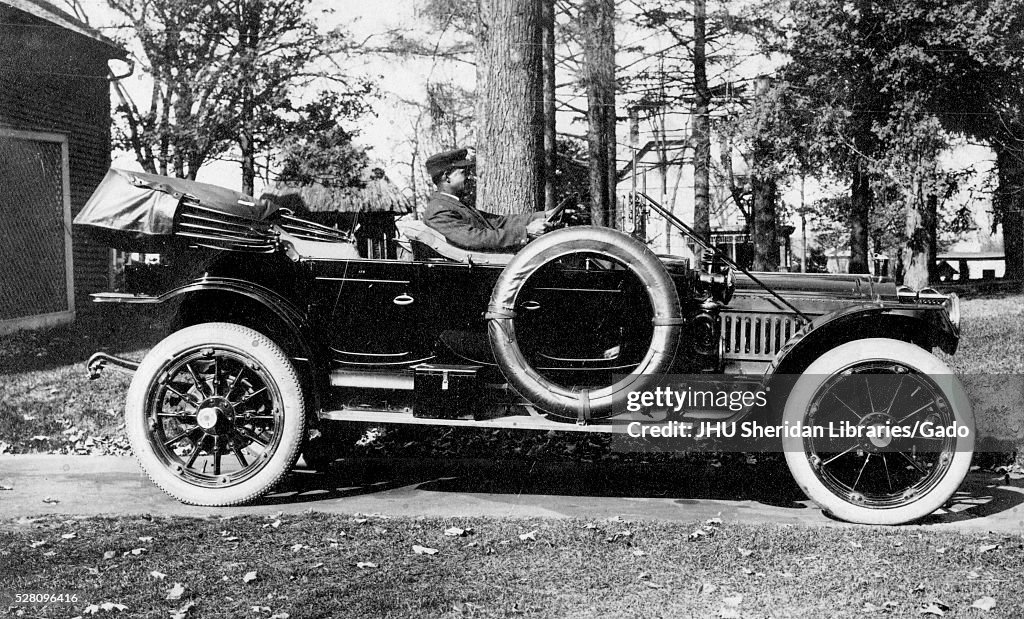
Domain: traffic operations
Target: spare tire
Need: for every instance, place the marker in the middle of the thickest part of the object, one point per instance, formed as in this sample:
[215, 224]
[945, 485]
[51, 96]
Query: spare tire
[561, 401]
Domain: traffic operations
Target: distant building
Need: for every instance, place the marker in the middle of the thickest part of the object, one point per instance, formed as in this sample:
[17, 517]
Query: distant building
[54, 150]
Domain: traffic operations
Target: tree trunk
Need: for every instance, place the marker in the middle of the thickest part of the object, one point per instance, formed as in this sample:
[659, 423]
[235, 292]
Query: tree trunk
[509, 106]
[598, 27]
[550, 143]
[1009, 202]
[860, 219]
[765, 235]
[701, 126]
[247, 146]
[920, 225]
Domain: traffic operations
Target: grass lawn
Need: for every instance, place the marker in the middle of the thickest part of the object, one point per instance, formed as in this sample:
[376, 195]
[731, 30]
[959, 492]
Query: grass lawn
[315, 565]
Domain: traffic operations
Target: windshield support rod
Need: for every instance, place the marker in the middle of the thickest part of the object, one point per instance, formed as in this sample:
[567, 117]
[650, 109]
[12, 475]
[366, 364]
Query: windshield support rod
[690, 232]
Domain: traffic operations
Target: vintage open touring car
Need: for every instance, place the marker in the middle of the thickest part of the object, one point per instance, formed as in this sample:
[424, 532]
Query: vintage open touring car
[286, 339]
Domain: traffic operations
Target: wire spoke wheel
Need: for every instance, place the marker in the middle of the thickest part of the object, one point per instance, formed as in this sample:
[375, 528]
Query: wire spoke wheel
[216, 414]
[874, 462]
[890, 436]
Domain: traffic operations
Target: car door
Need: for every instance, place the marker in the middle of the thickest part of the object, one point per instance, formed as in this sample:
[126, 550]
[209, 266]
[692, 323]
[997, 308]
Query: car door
[371, 312]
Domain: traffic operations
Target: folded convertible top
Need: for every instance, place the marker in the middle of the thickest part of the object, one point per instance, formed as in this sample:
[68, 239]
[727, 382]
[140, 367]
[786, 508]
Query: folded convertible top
[135, 211]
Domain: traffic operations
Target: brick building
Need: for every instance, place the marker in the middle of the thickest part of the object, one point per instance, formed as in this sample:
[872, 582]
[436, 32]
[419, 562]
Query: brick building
[54, 150]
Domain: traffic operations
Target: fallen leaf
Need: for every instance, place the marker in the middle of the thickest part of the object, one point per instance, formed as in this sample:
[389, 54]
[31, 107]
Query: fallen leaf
[51, 553]
[530, 535]
[37, 544]
[279, 616]
[454, 532]
[69, 536]
[95, 571]
[361, 520]
[51, 500]
[109, 606]
[158, 575]
[931, 609]
[940, 551]
[988, 548]
[275, 524]
[110, 554]
[697, 534]
[423, 550]
[639, 553]
[984, 603]
[590, 525]
[145, 540]
[856, 544]
[176, 592]
[364, 565]
[249, 576]
[654, 585]
[298, 547]
[919, 588]
[182, 612]
[134, 551]
[744, 552]
[713, 521]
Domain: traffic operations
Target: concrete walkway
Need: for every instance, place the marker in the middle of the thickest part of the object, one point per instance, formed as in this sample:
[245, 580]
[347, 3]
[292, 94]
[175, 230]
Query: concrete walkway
[109, 485]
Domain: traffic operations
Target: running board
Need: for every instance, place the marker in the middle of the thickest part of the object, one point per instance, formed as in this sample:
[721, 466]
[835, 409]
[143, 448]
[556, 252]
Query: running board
[372, 380]
[512, 422]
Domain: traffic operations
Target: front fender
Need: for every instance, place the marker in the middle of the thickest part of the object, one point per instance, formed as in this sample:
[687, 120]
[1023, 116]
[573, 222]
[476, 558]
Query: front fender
[925, 326]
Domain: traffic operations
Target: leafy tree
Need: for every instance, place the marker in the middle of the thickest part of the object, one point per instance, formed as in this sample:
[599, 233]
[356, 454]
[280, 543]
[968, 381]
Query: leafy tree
[317, 149]
[225, 73]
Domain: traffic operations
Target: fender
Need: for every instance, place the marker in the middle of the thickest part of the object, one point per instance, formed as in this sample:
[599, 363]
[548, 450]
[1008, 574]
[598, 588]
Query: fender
[291, 316]
[925, 325]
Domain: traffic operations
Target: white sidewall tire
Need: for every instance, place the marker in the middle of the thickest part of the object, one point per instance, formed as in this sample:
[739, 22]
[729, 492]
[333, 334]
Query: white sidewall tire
[866, 350]
[275, 364]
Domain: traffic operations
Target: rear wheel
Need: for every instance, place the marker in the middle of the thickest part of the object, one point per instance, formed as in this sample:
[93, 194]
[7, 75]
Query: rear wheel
[215, 414]
[895, 432]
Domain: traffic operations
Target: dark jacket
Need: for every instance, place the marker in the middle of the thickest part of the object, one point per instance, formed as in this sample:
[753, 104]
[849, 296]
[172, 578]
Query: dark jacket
[468, 228]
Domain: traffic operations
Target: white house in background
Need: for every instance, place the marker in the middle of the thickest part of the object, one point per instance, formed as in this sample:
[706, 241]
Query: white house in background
[660, 164]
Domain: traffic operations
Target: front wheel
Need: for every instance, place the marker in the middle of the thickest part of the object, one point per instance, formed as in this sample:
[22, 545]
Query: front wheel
[887, 432]
[215, 414]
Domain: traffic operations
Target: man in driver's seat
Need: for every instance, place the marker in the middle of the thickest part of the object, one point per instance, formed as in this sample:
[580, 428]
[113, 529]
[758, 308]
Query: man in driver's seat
[462, 224]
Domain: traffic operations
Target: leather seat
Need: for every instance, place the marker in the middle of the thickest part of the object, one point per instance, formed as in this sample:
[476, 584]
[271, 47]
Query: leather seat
[429, 244]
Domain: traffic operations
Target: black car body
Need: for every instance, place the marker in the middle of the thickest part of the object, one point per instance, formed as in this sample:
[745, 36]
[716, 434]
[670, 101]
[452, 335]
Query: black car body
[285, 336]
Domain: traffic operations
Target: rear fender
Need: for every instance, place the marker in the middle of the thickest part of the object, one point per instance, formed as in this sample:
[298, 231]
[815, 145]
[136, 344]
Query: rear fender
[215, 298]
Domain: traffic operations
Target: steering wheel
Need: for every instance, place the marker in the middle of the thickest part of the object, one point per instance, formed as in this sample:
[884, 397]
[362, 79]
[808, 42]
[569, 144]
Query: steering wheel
[555, 218]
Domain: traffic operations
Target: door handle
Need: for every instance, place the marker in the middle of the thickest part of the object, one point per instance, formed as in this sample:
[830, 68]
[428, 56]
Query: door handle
[403, 299]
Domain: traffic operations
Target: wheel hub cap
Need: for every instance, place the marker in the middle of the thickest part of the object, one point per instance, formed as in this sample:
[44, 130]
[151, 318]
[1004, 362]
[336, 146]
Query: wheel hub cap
[214, 415]
[876, 429]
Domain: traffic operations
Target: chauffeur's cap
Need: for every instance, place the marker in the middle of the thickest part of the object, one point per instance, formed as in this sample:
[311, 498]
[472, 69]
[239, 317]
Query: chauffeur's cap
[457, 158]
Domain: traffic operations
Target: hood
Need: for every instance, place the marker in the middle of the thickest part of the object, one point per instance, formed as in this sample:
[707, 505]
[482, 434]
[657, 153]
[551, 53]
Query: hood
[831, 284]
